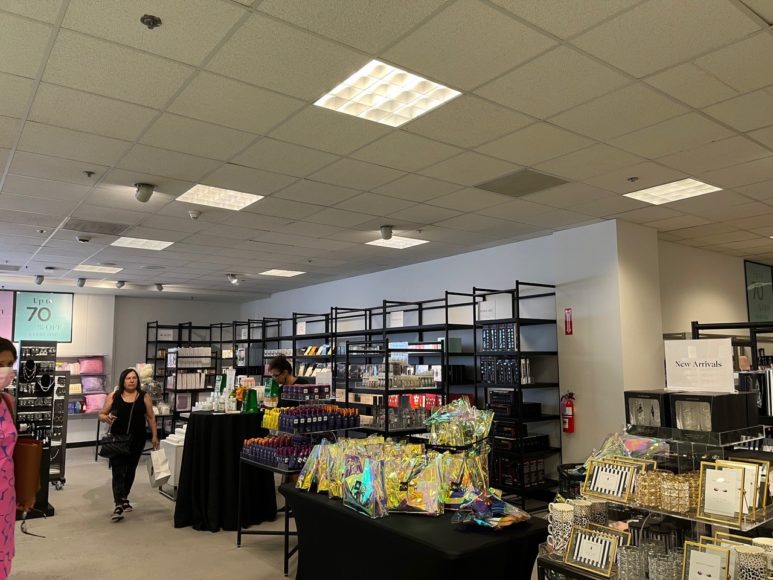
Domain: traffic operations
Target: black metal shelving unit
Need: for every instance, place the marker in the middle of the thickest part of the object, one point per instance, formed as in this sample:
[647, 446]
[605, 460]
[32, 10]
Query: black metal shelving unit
[312, 330]
[502, 351]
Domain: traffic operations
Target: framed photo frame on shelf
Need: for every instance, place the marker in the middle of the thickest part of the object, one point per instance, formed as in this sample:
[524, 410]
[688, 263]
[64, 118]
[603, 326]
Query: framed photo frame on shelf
[763, 484]
[610, 479]
[725, 543]
[750, 482]
[591, 550]
[720, 496]
[743, 540]
[702, 561]
[623, 537]
[183, 402]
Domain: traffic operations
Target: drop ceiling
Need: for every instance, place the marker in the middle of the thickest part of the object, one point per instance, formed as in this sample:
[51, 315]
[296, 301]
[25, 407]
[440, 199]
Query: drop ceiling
[609, 97]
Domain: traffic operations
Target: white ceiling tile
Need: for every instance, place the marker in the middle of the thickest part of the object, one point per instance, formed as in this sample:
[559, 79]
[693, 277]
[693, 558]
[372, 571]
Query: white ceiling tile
[469, 199]
[36, 205]
[763, 136]
[248, 180]
[190, 30]
[663, 33]
[706, 230]
[611, 115]
[4, 153]
[467, 121]
[648, 174]
[167, 163]
[737, 236]
[475, 222]
[58, 142]
[759, 245]
[314, 230]
[54, 168]
[55, 105]
[535, 143]
[675, 223]
[45, 10]
[15, 92]
[588, 162]
[405, 151]
[24, 218]
[762, 191]
[109, 214]
[356, 174]
[746, 112]
[743, 174]
[374, 204]
[282, 157]
[23, 185]
[760, 221]
[516, 210]
[328, 130]
[224, 101]
[244, 219]
[556, 218]
[163, 234]
[196, 137]
[425, 214]
[283, 208]
[417, 188]
[648, 214]
[692, 85]
[467, 44]
[122, 180]
[715, 155]
[743, 210]
[85, 63]
[271, 54]
[316, 192]
[554, 82]
[337, 217]
[698, 205]
[120, 197]
[369, 25]
[23, 45]
[470, 168]
[568, 195]
[9, 128]
[609, 206]
[745, 65]
[565, 18]
[678, 134]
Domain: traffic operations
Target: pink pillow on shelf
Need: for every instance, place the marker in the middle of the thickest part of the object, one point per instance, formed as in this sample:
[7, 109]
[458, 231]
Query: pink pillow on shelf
[93, 384]
[92, 365]
[94, 402]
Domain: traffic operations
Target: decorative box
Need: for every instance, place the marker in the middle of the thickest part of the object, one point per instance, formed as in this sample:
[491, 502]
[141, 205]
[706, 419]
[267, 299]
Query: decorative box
[715, 412]
[648, 408]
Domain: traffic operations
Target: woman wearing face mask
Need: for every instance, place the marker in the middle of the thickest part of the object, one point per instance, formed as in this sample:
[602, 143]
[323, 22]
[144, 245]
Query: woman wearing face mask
[8, 438]
[127, 409]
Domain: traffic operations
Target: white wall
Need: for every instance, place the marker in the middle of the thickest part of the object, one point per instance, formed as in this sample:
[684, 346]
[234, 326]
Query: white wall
[699, 285]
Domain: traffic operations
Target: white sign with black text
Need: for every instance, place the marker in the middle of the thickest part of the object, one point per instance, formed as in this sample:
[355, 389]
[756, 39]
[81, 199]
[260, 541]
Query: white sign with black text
[700, 365]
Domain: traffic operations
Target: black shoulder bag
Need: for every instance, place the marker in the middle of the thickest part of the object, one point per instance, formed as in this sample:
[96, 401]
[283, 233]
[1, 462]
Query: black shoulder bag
[111, 446]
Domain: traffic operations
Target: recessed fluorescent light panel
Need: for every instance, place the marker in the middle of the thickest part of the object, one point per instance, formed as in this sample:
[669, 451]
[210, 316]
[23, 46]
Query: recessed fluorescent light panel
[217, 197]
[141, 244]
[382, 93]
[282, 273]
[674, 191]
[397, 242]
[100, 269]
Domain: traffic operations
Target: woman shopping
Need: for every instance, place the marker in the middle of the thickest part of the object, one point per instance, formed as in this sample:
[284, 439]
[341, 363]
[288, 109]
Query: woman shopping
[126, 410]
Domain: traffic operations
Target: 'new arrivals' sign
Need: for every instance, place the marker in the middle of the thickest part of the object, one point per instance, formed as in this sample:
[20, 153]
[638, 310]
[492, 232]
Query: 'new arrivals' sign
[43, 316]
[700, 365]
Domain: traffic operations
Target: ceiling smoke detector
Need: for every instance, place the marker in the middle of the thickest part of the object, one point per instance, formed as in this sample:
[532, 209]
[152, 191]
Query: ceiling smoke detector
[150, 21]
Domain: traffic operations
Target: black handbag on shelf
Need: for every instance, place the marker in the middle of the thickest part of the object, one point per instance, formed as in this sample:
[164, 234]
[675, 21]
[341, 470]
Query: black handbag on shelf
[111, 446]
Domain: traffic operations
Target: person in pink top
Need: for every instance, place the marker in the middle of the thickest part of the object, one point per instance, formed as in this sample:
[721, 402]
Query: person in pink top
[7, 443]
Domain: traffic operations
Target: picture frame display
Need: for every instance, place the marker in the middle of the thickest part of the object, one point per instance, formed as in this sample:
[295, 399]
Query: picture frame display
[764, 482]
[704, 561]
[721, 494]
[591, 550]
[610, 479]
[624, 537]
[750, 482]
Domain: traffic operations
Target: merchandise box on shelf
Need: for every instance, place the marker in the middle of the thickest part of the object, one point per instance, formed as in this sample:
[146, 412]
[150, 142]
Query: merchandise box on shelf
[713, 411]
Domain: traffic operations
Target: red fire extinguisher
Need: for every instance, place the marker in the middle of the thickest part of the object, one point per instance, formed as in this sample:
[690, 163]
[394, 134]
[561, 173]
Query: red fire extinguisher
[567, 412]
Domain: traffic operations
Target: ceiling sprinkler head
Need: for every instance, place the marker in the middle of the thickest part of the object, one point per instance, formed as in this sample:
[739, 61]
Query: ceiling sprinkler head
[150, 21]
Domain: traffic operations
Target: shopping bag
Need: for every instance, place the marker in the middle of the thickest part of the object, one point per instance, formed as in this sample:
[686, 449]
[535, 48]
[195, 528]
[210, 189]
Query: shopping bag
[158, 468]
[26, 467]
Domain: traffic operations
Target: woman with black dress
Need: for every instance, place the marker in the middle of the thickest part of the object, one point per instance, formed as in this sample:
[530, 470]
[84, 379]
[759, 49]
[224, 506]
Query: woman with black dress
[128, 408]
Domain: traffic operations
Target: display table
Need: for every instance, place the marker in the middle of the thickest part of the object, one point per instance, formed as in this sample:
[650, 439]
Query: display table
[349, 545]
[208, 489]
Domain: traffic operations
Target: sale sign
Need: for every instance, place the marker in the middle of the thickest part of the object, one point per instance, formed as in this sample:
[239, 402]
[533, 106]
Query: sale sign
[6, 314]
[43, 316]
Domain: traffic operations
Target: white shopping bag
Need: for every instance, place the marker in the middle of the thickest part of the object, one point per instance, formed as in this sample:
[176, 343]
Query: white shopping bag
[158, 468]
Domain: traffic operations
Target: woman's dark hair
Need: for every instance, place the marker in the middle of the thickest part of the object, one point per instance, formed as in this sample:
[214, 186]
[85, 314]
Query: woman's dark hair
[7, 345]
[280, 363]
[123, 376]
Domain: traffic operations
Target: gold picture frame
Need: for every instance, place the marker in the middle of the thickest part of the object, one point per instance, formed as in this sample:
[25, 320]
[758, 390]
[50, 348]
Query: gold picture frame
[720, 495]
[592, 551]
[751, 482]
[764, 479]
[624, 538]
[609, 479]
[717, 558]
[743, 540]
[725, 543]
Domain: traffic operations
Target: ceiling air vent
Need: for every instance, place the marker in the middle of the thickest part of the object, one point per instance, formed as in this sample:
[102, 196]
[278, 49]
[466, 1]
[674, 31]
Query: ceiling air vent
[521, 183]
[8, 268]
[92, 227]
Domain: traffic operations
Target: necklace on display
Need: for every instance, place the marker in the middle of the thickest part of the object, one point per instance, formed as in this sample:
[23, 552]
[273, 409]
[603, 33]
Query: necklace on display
[29, 371]
[45, 383]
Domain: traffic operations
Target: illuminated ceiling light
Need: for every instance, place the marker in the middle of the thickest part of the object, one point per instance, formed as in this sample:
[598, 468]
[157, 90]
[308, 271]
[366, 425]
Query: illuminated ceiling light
[397, 242]
[141, 244]
[98, 269]
[282, 273]
[674, 191]
[217, 197]
[382, 93]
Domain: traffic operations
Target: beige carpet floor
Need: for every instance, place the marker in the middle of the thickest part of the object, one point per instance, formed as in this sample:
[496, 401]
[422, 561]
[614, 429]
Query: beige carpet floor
[82, 543]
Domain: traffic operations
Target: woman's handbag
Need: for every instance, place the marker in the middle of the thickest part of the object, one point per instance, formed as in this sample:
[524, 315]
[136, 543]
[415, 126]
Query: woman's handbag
[111, 446]
[26, 469]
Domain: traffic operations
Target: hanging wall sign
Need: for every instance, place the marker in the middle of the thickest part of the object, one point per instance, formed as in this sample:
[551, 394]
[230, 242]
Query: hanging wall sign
[700, 365]
[43, 316]
[6, 314]
[759, 291]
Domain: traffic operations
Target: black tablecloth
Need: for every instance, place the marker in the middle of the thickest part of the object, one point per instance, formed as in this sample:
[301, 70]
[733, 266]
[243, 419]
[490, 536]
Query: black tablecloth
[406, 546]
[207, 494]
